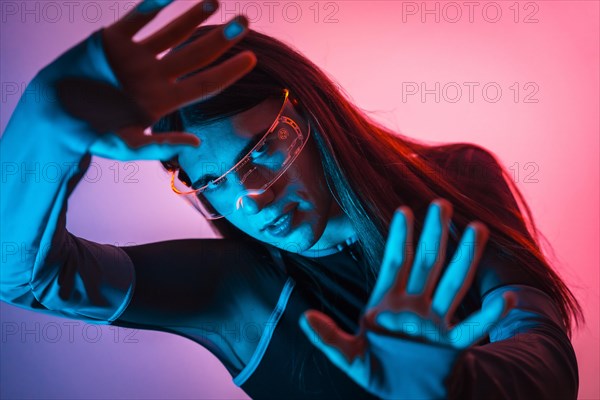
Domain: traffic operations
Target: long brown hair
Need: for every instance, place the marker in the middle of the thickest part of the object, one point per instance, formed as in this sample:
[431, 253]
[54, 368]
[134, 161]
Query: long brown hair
[372, 170]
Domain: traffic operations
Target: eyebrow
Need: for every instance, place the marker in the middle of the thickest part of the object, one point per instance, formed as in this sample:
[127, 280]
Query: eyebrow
[253, 142]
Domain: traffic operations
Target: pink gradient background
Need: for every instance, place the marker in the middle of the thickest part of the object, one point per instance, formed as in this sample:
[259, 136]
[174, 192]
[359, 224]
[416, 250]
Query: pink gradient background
[370, 51]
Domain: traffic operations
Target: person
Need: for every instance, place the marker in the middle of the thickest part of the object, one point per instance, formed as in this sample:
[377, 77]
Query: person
[317, 207]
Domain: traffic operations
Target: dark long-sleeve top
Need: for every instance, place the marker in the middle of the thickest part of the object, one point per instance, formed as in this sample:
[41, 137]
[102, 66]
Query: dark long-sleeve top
[239, 298]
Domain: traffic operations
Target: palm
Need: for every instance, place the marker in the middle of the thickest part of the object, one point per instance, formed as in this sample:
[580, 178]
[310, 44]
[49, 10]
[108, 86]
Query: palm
[152, 87]
[153, 82]
[405, 345]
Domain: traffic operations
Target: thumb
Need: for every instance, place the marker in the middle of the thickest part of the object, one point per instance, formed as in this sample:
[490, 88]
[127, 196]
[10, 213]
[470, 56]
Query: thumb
[137, 146]
[340, 347]
[135, 138]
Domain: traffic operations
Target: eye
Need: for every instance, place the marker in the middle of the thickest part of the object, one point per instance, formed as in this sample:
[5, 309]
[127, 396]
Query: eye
[212, 183]
[216, 183]
[261, 150]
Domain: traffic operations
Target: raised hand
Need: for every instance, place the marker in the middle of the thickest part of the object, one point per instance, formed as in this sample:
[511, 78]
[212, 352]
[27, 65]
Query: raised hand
[153, 87]
[405, 347]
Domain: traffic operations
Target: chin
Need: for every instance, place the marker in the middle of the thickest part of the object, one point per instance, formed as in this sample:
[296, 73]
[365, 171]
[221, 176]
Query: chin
[308, 227]
[308, 234]
[300, 239]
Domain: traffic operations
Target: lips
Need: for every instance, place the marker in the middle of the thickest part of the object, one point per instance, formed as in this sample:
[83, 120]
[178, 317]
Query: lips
[285, 210]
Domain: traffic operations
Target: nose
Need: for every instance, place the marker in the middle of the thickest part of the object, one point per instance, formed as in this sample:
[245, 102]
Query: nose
[253, 202]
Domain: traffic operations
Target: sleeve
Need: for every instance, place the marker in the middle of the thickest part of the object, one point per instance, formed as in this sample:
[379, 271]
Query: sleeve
[529, 355]
[223, 294]
[196, 283]
[216, 292]
[44, 154]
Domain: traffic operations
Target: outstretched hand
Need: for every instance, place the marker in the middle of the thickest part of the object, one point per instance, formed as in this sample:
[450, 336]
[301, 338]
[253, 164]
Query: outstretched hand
[153, 87]
[405, 346]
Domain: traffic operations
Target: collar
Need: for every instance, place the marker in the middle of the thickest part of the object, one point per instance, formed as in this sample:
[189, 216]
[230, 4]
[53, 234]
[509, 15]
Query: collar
[330, 250]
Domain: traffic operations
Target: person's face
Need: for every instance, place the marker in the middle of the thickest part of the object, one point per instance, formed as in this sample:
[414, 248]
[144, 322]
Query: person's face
[301, 189]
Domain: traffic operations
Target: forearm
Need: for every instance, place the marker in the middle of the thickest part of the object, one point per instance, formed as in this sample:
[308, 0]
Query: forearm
[43, 154]
[37, 163]
[529, 357]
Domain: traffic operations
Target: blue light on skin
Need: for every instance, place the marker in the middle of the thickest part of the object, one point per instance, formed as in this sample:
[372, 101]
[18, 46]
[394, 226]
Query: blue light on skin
[319, 223]
[425, 258]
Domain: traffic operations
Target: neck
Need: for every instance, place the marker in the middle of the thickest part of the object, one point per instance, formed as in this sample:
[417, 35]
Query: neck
[338, 230]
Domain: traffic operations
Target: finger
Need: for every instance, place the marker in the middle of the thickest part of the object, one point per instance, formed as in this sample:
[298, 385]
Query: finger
[406, 321]
[395, 256]
[204, 50]
[159, 151]
[342, 349]
[439, 260]
[431, 249]
[461, 271]
[134, 137]
[178, 30]
[212, 81]
[477, 325]
[113, 146]
[137, 18]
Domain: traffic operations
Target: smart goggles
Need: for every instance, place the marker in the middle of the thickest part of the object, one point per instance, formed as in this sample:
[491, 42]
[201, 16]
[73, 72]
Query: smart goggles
[253, 174]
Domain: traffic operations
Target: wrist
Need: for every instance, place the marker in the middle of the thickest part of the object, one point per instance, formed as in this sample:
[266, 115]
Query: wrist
[457, 380]
[45, 116]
